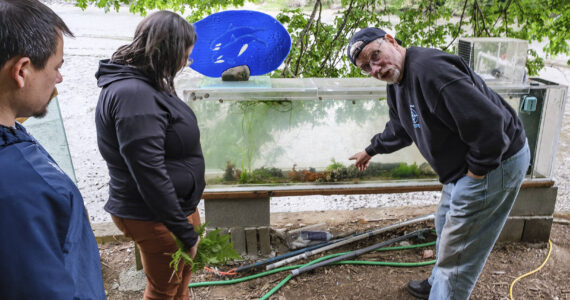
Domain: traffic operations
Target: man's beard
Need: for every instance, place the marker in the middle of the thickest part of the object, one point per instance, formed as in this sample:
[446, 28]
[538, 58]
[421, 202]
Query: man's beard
[394, 77]
[42, 113]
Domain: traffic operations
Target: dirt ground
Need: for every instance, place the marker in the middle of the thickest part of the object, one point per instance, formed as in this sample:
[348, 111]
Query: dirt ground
[507, 262]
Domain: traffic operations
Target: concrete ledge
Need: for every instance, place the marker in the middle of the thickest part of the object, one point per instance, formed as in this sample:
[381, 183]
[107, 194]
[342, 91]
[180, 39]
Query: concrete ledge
[230, 213]
[535, 202]
[107, 232]
[530, 219]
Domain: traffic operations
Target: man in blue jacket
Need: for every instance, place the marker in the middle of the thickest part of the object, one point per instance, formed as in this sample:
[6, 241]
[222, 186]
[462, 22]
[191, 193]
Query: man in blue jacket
[48, 248]
[469, 135]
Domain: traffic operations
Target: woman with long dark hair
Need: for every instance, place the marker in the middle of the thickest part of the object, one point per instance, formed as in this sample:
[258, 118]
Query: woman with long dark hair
[151, 142]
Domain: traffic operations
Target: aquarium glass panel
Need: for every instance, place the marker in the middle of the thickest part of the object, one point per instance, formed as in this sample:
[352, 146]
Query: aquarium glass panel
[50, 133]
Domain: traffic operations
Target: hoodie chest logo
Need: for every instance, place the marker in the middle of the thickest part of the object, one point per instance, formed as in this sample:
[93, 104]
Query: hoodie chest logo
[415, 117]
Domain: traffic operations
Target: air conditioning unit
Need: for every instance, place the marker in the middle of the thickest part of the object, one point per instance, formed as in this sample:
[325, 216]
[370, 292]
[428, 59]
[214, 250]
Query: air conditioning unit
[495, 59]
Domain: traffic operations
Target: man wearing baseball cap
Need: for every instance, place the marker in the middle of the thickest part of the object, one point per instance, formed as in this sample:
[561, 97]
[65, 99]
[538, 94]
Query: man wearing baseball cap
[469, 135]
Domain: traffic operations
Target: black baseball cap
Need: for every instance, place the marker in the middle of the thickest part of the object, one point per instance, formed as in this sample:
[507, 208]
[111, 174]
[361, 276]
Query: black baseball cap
[361, 39]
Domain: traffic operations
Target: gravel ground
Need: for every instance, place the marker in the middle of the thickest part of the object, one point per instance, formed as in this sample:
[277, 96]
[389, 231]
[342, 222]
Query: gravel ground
[97, 38]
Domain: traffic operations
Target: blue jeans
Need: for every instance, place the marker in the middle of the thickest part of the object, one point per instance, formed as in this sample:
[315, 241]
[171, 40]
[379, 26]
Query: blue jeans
[468, 221]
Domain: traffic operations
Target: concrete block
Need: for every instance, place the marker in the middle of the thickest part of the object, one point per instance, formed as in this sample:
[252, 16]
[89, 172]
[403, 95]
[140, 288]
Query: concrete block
[251, 240]
[264, 240]
[512, 231]
[237, 212]
[107, 232]
[537, 229]
[535, 202]
[238, 239]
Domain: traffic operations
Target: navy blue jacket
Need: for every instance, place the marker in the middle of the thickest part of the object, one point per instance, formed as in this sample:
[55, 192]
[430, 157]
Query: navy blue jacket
[457, 122]
[48, 248]
[151, 143]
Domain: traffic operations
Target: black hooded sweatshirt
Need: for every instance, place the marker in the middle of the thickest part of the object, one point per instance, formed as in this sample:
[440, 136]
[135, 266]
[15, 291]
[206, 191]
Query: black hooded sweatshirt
[151, 143]
[457, 122]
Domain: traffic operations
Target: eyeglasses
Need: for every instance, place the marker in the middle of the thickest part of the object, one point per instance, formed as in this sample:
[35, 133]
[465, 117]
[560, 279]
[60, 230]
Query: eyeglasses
[366, 68]
[189, 62]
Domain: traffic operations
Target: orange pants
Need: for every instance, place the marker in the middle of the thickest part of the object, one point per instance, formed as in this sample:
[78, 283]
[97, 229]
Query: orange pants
[156, 245]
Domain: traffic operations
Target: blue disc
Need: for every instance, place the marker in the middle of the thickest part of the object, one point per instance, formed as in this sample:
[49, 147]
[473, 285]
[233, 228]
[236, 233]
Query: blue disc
[239, 37]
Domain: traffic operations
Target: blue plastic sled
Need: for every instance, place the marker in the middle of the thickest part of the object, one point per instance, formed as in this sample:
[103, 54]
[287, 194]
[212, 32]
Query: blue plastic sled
[239, 37]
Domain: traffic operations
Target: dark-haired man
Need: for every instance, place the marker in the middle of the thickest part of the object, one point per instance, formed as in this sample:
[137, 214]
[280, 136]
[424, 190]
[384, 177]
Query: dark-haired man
[468, 134]
[48, 248]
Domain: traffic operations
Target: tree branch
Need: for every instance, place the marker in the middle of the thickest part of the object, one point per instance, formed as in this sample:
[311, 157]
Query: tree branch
[302, 35]
[317, 29]
[459, 28]
[482, 18]
[505, 11]
[339, 31]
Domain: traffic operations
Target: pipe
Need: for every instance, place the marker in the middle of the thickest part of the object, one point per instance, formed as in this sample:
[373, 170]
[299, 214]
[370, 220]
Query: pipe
[286, 255]
[358, 252]
[349, 240]
[292, 253]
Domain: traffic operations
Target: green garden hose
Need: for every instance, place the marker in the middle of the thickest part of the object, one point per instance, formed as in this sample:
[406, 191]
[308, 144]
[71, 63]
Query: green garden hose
[355, 262]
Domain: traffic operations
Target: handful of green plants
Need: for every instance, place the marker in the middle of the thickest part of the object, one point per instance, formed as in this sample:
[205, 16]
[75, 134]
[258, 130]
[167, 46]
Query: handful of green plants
[214, 249]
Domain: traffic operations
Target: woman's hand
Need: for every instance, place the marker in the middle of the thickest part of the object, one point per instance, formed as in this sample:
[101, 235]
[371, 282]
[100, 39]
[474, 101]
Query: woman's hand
[194, 249]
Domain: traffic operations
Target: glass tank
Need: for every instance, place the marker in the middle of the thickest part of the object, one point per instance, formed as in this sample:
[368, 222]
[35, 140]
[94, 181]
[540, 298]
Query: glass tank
[302, 131]
[495, 59]
[50, 133]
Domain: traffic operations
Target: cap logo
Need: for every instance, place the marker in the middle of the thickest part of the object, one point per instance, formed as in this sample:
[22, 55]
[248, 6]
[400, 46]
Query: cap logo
[353, 48]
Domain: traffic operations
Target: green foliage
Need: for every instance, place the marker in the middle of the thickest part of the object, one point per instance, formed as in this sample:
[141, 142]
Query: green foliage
[244, 177]
[335, 165]
[318, 47]
[180, 256]
[260, 175]
[406, 171]
[214, 249]
[199, 8]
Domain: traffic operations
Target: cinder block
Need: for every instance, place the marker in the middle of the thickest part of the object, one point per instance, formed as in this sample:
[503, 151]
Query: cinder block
[512, 231]
[264, 242]
[237, 212]
[238, 239]
[251, 240]
[537, 229]
[535, 202]
[107, 232]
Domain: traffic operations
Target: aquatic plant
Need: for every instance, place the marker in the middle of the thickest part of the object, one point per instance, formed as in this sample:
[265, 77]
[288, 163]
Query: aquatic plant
[335, 165]
[406, 171]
